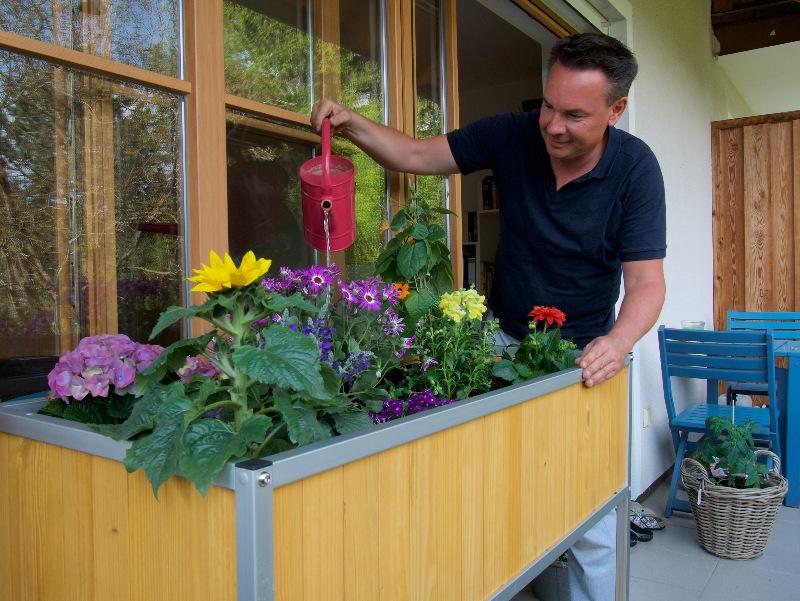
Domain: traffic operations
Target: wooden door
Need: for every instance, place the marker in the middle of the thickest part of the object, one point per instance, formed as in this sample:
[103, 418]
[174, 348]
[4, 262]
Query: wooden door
[756, 214]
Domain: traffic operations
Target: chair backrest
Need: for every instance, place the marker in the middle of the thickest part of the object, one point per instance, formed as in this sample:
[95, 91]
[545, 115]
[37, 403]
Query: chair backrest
[732, 356]
[783, 325]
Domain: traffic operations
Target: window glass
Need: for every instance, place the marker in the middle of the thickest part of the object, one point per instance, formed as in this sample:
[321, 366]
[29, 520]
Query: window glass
[264, 210]
[268, 52]
[429, 104]
[360, 87]
[91, 213]
[142, 33]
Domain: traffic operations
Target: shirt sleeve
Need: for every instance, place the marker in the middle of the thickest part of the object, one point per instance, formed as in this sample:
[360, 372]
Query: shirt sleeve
[474, 146]
[643, 230]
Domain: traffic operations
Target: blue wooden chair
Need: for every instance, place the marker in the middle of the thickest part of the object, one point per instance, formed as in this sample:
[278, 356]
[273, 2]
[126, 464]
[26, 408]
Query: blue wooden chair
[744, 357]
[783, 325]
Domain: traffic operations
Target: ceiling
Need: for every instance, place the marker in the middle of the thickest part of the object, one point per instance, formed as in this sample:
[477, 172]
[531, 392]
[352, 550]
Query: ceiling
[742, 25]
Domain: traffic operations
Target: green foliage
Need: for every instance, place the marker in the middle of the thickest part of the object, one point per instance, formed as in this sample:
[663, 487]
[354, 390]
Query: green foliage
[455, 357]
[114, 410]
[418, 254]
[728, 453]
[541, 352]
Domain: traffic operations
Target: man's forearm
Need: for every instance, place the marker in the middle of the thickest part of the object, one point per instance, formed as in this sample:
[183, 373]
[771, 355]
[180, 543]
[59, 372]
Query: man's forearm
[396, 151]
[640, 309]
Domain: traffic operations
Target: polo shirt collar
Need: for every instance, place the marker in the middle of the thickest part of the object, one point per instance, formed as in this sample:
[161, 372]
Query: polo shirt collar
[609, 154]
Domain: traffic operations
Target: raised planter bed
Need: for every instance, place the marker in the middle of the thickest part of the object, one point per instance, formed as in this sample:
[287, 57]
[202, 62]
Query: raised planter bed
[466, 502]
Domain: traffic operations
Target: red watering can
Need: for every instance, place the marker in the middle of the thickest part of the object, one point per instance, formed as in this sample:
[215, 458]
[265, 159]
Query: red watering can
[327, 185]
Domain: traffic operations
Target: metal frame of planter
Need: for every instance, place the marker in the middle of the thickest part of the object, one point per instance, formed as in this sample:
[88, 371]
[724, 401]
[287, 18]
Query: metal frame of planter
[254, 481]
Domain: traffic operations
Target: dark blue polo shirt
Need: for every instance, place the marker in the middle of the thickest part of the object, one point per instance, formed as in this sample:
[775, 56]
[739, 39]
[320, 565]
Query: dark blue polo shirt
[564, 248]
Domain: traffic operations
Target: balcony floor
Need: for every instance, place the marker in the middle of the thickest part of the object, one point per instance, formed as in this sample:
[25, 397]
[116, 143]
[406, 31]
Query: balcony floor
[673, 566]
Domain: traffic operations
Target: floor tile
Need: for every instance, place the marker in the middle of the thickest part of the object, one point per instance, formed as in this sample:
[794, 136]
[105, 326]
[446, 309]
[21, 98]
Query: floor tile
[658, 563]
[649, 590]
[741, 581]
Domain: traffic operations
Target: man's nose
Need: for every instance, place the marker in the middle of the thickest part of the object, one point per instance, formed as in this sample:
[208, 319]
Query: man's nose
[556, 125]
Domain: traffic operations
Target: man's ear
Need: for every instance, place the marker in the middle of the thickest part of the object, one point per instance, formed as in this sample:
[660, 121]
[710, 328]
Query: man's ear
[617, 109]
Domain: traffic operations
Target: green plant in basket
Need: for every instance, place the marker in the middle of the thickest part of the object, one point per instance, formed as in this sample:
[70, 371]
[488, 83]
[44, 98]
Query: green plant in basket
[418, 255]
[728, 453]
[542, 351]
[455, 347]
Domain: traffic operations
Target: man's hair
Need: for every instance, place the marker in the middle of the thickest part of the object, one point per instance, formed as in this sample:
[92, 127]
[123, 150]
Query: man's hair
[584, 51]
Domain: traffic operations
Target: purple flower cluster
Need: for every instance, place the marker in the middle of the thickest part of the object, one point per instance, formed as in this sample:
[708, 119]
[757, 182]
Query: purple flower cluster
[418, 401]
[197, 365]
[422, 401]
[97, 363]
[355, 364]
[368, 294]
[391, 409]
[323, 333]
[309, 281]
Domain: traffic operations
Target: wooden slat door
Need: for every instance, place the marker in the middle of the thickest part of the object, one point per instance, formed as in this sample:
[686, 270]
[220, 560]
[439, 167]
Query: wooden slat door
[756, 214]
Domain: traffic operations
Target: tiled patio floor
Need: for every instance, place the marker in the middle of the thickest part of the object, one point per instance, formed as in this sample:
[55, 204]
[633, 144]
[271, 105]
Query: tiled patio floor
[673, 566]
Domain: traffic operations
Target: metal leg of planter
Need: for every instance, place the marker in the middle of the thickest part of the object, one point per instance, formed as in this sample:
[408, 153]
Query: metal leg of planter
[623, 548]
[255, 578]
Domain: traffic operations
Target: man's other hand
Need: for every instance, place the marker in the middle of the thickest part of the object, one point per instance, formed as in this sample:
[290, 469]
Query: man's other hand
[602, 358]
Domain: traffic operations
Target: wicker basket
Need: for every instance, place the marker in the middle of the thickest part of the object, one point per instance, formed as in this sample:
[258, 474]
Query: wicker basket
[733, 522]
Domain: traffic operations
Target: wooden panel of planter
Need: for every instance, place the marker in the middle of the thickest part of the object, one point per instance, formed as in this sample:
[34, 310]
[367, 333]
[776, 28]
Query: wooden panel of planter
[466, 502]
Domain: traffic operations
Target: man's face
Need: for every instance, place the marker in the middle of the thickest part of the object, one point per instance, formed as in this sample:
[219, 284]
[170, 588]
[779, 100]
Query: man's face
[575, 112]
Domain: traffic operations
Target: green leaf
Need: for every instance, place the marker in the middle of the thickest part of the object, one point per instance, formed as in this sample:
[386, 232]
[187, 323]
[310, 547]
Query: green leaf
[523, 370]
[442, 278]
[158, 453]
[171, 359]
[54, 407]
[417, 304]
[420, 231]
[288, 360]
[399, 220]
[143, 413]
[505, 369]
[208, 444]
[279, 303]
[172, 315]
[411, 259]
[86, 412]
[442, 211]
[385, 265]
[120, 407]
[301, 421]
[436, 232]
[352, 421]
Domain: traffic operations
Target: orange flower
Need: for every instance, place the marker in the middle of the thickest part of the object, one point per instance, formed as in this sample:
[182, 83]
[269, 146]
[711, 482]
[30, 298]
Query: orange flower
[551, 315]
[384, 226]
[402, 290]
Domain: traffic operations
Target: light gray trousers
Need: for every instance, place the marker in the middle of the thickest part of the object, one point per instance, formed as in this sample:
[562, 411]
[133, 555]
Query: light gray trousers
[592, 559]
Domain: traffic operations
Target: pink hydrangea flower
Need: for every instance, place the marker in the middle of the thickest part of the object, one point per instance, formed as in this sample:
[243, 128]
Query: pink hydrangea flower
[197, 365]
[99, 364]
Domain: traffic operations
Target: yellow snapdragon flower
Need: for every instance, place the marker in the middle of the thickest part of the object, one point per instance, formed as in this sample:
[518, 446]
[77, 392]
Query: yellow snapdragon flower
[462, 303]
[223, 273]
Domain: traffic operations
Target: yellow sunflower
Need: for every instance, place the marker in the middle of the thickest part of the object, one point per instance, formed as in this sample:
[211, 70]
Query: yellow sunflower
[223, 273]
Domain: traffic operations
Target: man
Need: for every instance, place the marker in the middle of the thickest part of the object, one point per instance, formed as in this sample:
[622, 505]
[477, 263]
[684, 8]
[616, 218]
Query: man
[583, 205]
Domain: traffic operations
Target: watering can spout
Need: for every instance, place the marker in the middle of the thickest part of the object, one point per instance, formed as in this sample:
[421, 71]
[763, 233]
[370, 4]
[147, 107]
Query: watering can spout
[327, 182]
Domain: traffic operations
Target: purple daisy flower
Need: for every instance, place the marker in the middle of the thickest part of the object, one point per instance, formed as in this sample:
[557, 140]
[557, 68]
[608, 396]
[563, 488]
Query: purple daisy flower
[317, 278]
[392, 323]
[407, 344]
[427, 363]
[370, 298]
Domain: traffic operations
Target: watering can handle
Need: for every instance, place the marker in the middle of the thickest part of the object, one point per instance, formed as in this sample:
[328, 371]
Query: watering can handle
[326, 153]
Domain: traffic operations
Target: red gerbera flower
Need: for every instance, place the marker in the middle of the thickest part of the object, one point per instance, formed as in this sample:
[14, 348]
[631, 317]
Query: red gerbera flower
[551, 315]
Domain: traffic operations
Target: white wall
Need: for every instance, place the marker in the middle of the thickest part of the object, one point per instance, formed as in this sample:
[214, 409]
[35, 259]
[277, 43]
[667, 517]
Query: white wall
[673, 104]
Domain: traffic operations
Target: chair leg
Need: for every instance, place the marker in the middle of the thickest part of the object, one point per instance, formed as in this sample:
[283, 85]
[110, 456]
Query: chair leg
[680, 451]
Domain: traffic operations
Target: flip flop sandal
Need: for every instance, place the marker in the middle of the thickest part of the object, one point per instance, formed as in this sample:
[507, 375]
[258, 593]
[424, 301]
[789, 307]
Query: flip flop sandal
[634, 539]
[646, 517]
[642, 534]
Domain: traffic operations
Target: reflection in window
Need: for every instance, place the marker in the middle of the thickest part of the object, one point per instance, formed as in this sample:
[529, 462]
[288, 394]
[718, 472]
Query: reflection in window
[264, 209]
[90, 207]
[267, 52]
[360, 87]
[429, 105]
[143, 33]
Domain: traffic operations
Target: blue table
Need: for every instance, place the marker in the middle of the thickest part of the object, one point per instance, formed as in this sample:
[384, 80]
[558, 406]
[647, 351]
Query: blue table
[791, 443]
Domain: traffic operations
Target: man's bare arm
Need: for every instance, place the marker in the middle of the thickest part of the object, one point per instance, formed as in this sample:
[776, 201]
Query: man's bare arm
[604, 356]
[390, 148]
